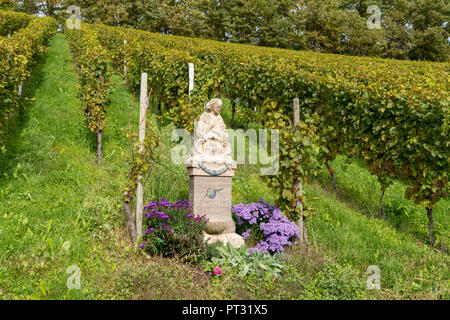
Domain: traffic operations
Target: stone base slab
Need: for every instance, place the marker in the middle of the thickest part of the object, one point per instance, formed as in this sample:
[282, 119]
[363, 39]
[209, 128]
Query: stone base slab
[211, 196]
[233, 238]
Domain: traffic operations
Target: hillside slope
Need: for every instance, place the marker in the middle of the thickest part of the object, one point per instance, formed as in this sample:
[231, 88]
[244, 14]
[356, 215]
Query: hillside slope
[59, 209]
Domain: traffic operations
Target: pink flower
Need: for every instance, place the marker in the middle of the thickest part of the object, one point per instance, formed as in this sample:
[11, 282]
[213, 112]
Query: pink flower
[218, 271]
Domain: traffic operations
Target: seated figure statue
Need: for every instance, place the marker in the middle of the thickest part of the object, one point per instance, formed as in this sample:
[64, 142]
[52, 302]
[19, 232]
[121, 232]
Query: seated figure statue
[211, 143]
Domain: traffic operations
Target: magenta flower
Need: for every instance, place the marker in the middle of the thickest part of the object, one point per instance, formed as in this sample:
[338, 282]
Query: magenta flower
[218, 271]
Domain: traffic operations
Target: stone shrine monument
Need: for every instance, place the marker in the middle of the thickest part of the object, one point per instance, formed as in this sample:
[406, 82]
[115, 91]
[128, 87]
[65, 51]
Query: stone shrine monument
[210, 169]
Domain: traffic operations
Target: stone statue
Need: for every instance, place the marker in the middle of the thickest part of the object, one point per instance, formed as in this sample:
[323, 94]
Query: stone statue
[210, 170]
[211, 143]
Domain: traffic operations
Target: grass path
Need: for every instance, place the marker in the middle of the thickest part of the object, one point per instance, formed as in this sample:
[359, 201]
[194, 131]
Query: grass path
[49, 181]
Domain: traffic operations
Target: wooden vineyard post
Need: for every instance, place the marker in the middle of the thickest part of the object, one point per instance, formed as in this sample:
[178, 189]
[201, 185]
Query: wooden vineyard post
[190, 88]
[125, 59]
[191, 79]
[299, 186]
[140, 189]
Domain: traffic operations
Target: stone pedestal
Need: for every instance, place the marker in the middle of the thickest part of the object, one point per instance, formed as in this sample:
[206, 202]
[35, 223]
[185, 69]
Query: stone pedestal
[210, 194]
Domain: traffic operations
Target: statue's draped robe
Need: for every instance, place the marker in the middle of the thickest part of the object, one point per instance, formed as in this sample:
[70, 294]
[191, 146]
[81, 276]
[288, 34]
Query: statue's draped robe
[218, 130]
[211, 127]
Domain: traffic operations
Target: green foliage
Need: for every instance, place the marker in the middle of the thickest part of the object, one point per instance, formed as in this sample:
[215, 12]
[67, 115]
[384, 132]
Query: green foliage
[51, 193]
[93, 66]
[18, 56]
[243, 263]
[166, 179]
[322, 25]
[143, 159]
[167, 73]
[37, 7]
[393, 114]
[8, 5]
[431, 30]
[410, 29]
[168, 76]
[299, 156]
[10, 22]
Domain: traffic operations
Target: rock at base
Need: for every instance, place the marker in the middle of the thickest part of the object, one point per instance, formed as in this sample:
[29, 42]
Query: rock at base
[233, 238]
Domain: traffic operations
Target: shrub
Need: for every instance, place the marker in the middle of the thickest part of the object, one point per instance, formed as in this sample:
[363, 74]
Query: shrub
[242, 262]
[11, 21]
[18, 56]
[173, 231]
[94, 78]
[265, 224]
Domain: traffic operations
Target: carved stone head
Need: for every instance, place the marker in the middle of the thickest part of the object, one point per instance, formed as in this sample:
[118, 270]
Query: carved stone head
[214, 106]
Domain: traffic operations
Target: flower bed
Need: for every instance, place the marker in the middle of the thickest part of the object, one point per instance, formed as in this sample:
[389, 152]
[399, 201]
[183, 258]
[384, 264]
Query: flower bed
[266, 225]
[171, 230]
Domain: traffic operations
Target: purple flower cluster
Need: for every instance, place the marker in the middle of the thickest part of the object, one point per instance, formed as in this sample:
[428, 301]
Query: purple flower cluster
[266, 224]
[162, 219]
[246, 234]
[162, 203]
